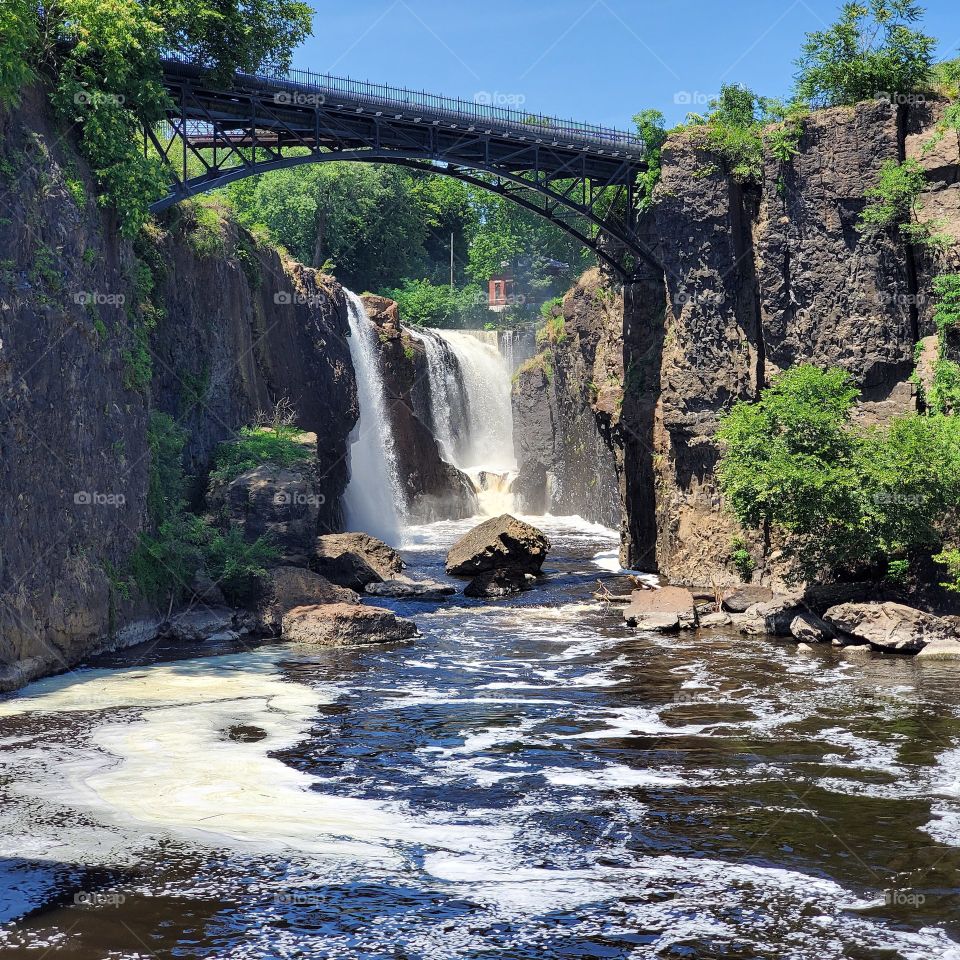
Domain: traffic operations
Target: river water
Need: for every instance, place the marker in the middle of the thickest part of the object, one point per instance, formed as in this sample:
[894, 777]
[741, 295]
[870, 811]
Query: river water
[528, 779]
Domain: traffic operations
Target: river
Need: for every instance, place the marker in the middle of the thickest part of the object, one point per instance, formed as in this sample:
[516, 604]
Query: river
[528, 779]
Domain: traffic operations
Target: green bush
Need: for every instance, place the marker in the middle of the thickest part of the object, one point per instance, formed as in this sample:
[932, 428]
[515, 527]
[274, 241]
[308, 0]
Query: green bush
[19, 40]
[896, 204]
[951, 560]
[742, 559]
[872, 50]
[426, 304]
[234, 564]
[255, 446]
[652, 127]
[844, 499]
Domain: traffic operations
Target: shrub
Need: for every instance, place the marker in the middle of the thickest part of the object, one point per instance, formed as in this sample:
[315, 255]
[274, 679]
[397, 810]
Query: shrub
[896, 204]
[951, 560]
[254, 447]
[234, 564]
[742, 560]
[871, 50]
[844, 499]
[650, 126]
[19, 38]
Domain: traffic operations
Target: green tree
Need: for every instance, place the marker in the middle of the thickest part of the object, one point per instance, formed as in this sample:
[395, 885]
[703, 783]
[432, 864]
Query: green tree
[872, 49]
[651, 125]
[19, 40]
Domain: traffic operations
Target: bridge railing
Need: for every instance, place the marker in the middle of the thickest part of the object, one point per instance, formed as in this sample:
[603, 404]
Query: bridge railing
[453, 109]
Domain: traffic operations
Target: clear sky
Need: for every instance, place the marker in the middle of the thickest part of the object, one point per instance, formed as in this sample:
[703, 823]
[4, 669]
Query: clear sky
[596, 60]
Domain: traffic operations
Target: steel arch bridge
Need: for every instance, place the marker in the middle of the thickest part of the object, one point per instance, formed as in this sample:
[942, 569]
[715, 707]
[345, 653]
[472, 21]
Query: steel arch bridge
[572, 174]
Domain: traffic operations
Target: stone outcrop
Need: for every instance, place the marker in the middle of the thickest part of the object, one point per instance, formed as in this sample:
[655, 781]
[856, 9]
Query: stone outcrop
[355, 560]
[501, 543]
[345, 625]
[891, 627]
[565, 401]
[95, 335]
[280, 503]
[435, 489]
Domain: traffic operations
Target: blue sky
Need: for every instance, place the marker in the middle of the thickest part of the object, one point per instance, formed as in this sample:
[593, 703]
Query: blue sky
[594, 60]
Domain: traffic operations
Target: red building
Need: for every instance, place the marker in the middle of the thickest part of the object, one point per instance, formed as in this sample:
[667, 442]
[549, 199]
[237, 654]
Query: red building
[501, 292]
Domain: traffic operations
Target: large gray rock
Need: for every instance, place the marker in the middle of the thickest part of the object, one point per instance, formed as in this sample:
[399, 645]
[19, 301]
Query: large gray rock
[890, 626]
[202, 623]
[355, 560]
[775, 616]
[345, 625]
[940, 650]
[665, 610]
[499, 543]
[285, 588]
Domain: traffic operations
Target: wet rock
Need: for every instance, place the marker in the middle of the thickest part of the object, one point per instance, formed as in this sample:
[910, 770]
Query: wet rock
[344, 625]
[499, 583]
[740, 599]
[892, 627]
[285, 588]
[405, 589]
[665, 610]
[500, 543]
[355, 560]
[809, 628]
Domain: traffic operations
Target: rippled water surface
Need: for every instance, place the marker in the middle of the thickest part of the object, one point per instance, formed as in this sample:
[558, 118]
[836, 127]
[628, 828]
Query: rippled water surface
[528, 779]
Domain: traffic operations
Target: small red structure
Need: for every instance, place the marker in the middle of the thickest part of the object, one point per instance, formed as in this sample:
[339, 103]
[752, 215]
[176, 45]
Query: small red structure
[501, 292]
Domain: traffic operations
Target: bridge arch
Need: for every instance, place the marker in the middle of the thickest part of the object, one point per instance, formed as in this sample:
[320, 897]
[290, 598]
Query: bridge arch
[561, 171]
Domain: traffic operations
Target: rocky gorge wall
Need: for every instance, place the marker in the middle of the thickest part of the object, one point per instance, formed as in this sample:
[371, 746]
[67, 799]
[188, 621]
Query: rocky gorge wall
[218, 327]
[756, 279]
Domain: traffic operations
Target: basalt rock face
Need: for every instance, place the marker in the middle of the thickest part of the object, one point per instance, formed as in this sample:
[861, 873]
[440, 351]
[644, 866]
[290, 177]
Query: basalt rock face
[435, 489]
[565, 402]
[88, 348]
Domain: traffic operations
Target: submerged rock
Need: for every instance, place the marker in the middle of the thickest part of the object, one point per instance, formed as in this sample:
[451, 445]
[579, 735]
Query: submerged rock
[345, 625]
[665, 610]
[404, 588]
[893, 627]
[500, 543]
[499, 583]
[355, 560]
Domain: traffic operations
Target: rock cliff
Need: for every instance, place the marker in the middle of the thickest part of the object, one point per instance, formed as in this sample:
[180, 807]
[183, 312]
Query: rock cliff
[199, 321]
[756, 279]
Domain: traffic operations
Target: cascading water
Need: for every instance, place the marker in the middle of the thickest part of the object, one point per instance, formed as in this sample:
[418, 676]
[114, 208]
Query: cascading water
[374, 500]
[486, 380]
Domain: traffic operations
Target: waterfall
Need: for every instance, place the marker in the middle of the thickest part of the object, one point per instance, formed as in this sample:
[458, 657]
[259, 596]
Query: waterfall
[486, 380]
[447, 415]
[374, 500]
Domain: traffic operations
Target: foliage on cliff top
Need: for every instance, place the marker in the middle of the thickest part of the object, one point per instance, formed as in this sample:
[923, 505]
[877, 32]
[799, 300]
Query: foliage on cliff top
[254, 446]
[872, 50]
[651, 125]
[101, 60]
[846, 499]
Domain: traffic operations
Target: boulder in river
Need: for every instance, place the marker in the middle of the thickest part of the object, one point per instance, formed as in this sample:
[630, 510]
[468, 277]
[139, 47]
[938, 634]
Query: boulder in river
[892, 627]
[355, 560]
[774, 616]
[941, 650]
[499, 583]
[665, 610]
[499, 543]
[285, 588]
[345, 625]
